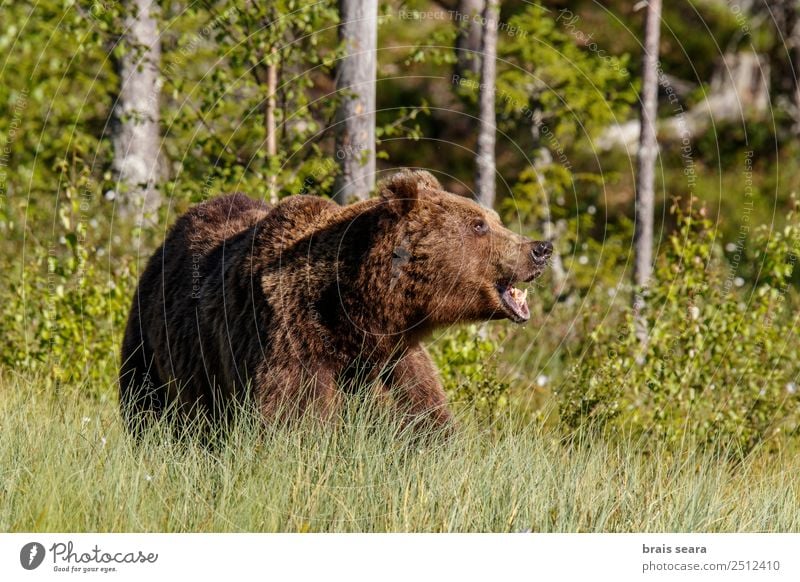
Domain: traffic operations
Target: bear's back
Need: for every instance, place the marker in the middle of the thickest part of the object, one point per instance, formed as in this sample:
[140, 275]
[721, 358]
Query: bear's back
[207, 225]
[172, 285]
[194, 308]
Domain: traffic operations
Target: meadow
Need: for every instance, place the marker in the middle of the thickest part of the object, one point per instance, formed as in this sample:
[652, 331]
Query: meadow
[68, 465]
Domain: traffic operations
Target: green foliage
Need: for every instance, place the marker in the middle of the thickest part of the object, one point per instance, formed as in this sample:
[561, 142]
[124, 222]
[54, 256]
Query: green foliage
[719, 366]
[466, 359]
[215, 68]
[65, 306]
[561, 96]
[542, 196]
[575, 92]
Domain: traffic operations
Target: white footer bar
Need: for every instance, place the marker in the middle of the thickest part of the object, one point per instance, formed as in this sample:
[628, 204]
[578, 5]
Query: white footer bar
[406, 557]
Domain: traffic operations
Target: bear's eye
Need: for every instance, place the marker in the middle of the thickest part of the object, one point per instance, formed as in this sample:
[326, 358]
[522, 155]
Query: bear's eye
[480, 226]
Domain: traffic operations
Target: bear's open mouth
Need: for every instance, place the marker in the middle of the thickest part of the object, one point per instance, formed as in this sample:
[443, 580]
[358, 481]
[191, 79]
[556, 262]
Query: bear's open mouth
[514, 300]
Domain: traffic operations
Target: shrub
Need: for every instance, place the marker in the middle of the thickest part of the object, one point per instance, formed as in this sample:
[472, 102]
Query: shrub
[719, 366]
[466, 358]
[65, 307]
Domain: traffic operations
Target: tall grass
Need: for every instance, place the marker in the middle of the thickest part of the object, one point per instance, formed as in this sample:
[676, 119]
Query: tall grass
[66, 464]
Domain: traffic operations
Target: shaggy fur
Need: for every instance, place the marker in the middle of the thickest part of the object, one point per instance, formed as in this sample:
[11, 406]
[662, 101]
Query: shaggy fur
[293, 306]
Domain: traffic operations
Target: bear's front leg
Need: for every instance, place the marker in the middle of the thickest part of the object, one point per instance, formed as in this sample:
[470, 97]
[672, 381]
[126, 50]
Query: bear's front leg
[419, 395]
[290, 390]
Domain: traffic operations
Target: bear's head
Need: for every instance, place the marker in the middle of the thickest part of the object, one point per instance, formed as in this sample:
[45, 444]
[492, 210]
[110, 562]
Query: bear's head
[454, 258]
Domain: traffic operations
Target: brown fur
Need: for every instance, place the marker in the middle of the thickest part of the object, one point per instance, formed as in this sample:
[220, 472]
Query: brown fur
[293, 306]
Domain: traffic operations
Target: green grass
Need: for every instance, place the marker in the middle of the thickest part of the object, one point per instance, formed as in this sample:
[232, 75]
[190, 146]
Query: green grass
[67, 465]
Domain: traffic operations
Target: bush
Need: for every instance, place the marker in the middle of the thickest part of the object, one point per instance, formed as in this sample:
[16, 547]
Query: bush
[66, 307]
[719, 367]
[466, 358]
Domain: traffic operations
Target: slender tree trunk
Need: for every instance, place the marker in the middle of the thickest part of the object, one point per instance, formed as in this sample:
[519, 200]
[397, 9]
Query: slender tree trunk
[271, 129]
[485, 174]
[136, 136]
[468, 40]
[541, 159]
[796, 91]
[355, 85]
[791, 10]
[645, 172]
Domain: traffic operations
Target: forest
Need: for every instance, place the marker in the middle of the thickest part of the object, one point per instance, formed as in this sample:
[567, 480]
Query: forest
[655, 385]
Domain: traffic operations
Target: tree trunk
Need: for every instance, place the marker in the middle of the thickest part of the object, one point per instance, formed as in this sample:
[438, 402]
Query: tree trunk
[786, 14]
[271, 129]
[485, 175]
[645, 171]
[355, 85]
[136, 137]
[468, 40]
[795, 65]
[542, 158]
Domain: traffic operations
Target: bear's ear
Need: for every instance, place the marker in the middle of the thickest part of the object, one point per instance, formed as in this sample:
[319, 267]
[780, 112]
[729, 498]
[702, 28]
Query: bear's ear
[402, 191]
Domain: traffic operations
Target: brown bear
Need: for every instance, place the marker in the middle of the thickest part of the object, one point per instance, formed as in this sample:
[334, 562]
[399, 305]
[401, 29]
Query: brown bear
[292, 306]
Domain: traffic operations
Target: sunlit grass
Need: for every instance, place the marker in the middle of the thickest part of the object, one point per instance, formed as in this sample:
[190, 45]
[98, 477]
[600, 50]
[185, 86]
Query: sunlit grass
[67, 465]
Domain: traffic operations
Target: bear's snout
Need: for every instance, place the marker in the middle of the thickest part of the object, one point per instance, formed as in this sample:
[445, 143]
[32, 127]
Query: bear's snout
[541, 251]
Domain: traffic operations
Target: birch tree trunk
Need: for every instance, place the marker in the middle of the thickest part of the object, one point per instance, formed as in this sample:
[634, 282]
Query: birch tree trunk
[468, 40]
[485, 162]
[136, 137]
[271, 129]
[795, 66]
[355, 85]
[541, 159]
[645, 171]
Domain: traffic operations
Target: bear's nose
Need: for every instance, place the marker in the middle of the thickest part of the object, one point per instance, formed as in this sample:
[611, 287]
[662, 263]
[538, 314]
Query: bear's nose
[542, 251]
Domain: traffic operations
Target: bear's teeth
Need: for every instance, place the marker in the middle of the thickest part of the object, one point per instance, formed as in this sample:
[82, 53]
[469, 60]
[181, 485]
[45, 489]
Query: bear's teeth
[518, 296]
